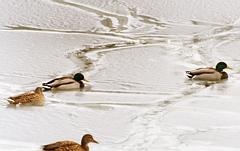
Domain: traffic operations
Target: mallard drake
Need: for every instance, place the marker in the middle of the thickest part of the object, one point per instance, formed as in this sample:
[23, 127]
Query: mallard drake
[35, 97]
[70, 145]
[209, 74]
[66, 82]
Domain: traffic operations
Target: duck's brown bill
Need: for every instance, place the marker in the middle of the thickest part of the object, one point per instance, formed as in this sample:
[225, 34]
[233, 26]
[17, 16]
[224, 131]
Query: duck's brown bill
[95, 141]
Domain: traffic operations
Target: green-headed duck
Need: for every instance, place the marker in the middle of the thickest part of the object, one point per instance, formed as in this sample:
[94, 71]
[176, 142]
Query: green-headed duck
[66, 83]
[209, 74]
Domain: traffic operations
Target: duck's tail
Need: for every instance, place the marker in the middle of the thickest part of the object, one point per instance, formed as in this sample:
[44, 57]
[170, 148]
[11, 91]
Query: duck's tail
[189, 74]
[46, 88]
[11, 101]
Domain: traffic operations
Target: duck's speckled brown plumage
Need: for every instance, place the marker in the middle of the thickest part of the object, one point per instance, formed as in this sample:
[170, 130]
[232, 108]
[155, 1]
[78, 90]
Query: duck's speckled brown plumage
[70, 145]
[64, 146]
[35, 97]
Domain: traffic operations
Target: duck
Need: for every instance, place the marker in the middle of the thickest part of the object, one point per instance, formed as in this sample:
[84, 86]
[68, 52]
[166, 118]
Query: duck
[35, 97]
[70, 145]
[66, 83]
[209, 73]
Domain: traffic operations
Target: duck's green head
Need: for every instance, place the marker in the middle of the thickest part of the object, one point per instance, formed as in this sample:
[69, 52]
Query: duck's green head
[78, 77]
[221, 65]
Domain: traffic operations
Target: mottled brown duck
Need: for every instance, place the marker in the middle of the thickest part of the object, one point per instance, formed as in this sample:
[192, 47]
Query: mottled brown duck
[35, 97]
[70, 145]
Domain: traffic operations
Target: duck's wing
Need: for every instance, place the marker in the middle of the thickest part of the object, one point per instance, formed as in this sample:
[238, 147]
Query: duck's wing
[21, 95]
[215, 76]
[23, 98]
[71, 148]
[58, 81]
[68, 86]
[60, 146]
[200, 71]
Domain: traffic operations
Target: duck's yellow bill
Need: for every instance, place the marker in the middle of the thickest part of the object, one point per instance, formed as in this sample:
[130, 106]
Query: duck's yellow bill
[229, 68]
[85, 80]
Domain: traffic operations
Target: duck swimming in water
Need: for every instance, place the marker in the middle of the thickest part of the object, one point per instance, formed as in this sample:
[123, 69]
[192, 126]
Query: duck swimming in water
[70, 145]
[35, 97]
[209, 74]
[66, 83]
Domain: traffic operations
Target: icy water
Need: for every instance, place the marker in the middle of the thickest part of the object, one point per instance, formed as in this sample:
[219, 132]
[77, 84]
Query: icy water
[134, 53]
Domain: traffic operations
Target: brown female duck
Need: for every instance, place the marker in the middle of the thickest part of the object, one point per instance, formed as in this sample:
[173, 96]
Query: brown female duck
[66, 83]
[70, 145]
[209, 74]
[35, 97]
